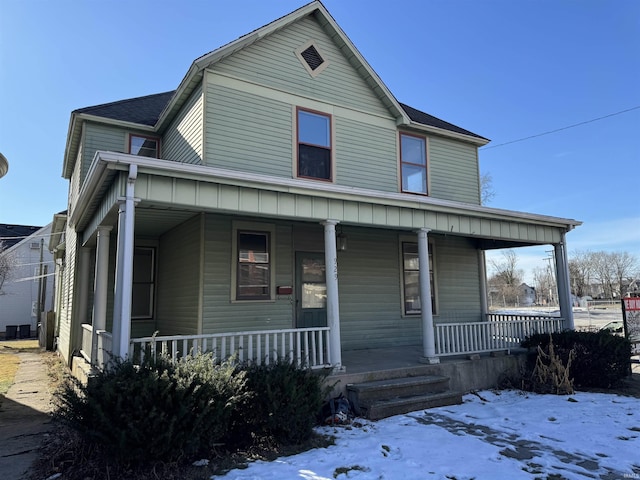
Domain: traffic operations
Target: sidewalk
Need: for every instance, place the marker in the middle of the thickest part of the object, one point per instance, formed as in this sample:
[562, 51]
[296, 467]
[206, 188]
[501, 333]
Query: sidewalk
[24, 417]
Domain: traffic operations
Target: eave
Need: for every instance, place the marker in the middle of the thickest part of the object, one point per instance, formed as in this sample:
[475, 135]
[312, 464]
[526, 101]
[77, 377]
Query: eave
[106, 164]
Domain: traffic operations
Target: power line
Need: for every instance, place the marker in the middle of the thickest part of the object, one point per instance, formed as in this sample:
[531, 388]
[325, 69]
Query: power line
[563, 128]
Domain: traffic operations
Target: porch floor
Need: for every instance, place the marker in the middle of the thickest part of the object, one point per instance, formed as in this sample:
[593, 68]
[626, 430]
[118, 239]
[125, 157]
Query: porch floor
[391, 358]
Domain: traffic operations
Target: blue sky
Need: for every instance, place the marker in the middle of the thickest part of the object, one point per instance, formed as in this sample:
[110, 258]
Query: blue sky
[503, 69]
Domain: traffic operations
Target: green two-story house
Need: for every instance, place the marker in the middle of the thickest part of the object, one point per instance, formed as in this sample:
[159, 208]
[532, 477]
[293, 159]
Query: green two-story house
[281, 201]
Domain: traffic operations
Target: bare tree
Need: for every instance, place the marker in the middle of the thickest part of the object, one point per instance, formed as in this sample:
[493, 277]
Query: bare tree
[603, 273]
[507, 278]
[487, 192]
[7, 264]
[581, 272]
[623, 267]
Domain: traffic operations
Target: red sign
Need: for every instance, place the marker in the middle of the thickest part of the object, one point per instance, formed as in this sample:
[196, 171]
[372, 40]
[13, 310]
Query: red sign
[631, 304]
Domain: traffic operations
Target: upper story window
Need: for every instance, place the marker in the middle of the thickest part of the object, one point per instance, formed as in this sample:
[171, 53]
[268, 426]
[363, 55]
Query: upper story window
[314, 145]
[413, 163]
[144, 146]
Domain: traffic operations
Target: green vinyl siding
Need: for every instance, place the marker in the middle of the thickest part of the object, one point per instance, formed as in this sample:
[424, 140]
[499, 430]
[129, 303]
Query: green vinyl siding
[365, 155]
[247, 132]
[178, 279]
[220, 314]
[272, 62]
[370, 298]
[101, 137]
[453, 170]
[183, 140]
[458, 279]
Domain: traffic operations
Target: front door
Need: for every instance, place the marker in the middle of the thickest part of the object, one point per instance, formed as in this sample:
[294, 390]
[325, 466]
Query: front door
[311, 290]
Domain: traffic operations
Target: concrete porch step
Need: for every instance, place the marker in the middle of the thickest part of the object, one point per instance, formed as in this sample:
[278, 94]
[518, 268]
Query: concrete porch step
[392, 396]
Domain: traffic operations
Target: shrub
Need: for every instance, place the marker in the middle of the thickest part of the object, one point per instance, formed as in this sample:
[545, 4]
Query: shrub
[284, 404]
[550, 374]
[158, 410]
[601, 359]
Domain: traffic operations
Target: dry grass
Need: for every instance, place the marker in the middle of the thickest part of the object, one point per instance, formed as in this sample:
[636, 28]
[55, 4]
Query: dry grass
[9, 361]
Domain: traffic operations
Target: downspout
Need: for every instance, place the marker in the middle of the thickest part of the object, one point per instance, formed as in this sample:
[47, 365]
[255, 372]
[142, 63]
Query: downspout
[124, 267]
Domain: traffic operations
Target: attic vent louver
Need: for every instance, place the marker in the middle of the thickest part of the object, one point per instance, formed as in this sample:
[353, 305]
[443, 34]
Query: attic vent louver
[312, 57]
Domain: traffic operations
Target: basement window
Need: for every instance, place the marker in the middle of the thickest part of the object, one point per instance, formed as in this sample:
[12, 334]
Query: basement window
[312, 58]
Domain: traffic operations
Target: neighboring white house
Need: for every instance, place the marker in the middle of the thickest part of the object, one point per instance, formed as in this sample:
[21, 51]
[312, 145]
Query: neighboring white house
[30, 277]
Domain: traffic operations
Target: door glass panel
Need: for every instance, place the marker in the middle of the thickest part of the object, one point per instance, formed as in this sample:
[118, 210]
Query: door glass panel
[314, 295]
[314, 288]
[312, 270]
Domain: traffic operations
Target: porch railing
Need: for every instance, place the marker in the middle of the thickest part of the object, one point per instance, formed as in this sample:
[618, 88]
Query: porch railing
[307, 347]
[99, 353]
[499, 332]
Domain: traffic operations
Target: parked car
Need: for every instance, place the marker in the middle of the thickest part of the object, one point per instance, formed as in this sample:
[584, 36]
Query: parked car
[615, 327]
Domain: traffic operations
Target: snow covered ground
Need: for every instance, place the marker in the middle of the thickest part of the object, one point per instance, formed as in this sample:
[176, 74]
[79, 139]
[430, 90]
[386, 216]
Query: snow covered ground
[492, 435]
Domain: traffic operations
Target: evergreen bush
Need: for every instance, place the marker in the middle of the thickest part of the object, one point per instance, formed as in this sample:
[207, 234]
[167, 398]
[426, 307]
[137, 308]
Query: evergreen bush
[283, 406]
[158, 410]
[601, 359]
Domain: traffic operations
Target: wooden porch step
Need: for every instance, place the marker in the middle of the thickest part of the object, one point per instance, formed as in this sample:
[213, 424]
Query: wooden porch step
[397, 406]
[386, 397]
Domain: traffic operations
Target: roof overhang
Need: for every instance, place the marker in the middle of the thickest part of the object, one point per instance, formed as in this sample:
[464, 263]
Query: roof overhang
[490, 225]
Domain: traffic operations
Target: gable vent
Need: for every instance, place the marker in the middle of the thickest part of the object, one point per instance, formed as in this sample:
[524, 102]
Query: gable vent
[312, 57]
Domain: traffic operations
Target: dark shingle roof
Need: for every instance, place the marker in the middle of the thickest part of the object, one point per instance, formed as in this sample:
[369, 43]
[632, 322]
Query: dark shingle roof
[430, 120]
[143, 110]
[146, 111]
[12, 234]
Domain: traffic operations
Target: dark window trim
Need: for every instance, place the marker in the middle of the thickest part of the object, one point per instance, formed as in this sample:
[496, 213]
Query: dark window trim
[147, 137]
[432, 279]
[267, 295]
[298, 143]
[152, 283]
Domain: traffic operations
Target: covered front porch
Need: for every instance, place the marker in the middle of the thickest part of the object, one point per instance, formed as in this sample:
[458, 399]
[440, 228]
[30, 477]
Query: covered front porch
[384, 299]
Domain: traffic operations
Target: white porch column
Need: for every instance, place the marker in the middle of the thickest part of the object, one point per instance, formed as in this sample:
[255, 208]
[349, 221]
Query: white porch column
[333, 304]
[562, 279]
[124, 269]
[100, 288]
[428, 334]
[482, 267]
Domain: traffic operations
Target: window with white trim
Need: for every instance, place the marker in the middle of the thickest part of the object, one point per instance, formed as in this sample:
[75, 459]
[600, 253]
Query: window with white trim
[413, 163]
[314, 145]
[411, 279]
[144, 146]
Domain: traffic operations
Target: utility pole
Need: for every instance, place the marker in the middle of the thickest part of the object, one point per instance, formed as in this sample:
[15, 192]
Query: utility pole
[40, 281]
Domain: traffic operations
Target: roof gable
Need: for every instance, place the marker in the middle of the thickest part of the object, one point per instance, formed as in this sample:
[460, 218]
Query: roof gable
[155, 112]
[11, 235]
